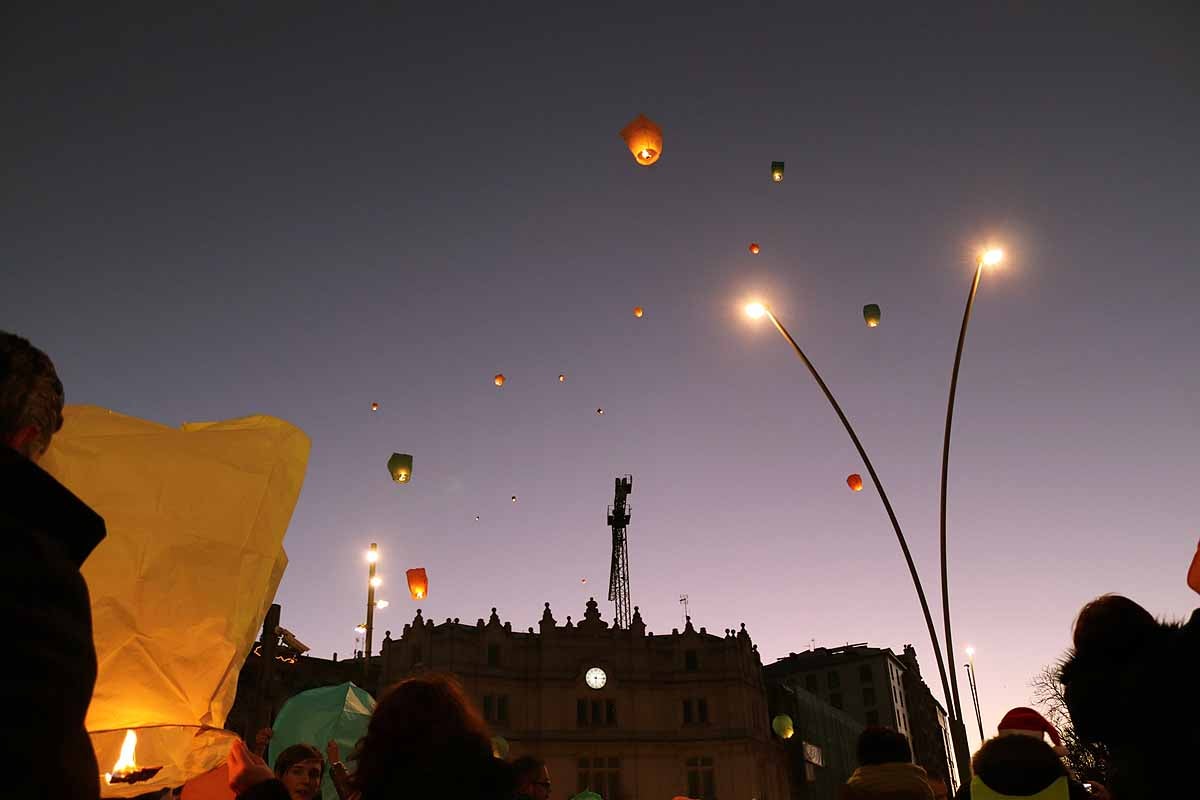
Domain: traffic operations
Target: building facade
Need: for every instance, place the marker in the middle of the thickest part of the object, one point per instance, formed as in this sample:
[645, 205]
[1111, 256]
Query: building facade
[875, 687]
[624, 713]
[821, 751]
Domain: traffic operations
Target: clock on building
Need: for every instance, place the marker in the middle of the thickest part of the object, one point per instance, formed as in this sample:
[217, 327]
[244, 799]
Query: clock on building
[595, 678]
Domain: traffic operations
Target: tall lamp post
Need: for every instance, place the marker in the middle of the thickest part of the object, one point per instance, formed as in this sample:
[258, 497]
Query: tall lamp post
[990, 257]
[758, 310]
[373, 583]
[970, 665]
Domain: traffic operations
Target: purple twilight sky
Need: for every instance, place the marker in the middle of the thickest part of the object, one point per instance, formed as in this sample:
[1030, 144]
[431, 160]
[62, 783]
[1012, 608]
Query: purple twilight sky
[298, 214]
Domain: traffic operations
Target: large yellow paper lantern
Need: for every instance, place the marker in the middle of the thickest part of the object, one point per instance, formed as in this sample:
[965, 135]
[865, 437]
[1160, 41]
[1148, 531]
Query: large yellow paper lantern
[644, 139]
[783, 727]
[172, 621]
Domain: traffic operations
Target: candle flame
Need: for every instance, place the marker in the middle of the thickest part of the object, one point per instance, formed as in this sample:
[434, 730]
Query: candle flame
[125, 762]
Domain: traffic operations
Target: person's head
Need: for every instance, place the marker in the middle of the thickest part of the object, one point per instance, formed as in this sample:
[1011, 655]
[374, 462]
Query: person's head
[1111, 625]
[300, 768]
[424, 733]
[31, 397]
[532, 777]
[877, 745]
[1017, 765]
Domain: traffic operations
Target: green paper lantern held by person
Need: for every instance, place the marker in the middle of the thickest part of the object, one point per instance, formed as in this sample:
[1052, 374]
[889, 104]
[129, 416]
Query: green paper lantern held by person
[783, 727]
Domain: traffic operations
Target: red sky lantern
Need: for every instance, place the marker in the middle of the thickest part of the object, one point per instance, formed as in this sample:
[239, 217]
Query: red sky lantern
[418, 583]
[855, 482]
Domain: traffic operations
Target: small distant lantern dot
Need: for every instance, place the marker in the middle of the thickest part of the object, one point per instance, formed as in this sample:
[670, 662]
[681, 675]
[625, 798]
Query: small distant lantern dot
[754, 248]
[374, 406]
[638, 311]
[499, 379]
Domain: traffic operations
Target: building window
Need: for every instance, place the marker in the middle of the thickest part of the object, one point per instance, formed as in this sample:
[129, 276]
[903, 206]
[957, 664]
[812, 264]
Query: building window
[687, 712]
[701, 784]
[702, 710]
[868, 695]
[493, 655]
[600, 775]
[581, 713]
[872, 717]
[597, 713]
[834, 679]
[865, 675]
[502, 708]
[835, 699]
[691, 660]
[810, 683]
[610, 712]
[416, 656]
[488, 707]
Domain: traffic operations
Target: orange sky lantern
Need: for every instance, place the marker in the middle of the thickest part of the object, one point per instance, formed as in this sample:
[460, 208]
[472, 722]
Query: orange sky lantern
[754, 248]
[638, 311]
[644, 139]
[374, 406]
[855, 482]
[418, 583]
[499, 379]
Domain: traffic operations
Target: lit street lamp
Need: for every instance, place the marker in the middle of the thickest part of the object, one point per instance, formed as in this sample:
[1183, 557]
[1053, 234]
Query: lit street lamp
[970, 665]
[990, 257]
[373, 583]
[758, 310]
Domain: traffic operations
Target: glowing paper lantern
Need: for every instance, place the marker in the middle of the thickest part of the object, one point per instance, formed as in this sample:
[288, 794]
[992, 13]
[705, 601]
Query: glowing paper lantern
[855, 482]
[638, 311]
[782, 725]
[172, 621]
[500, 747]
[374, 406]
[499, 379]
[871, 315]
[644, 139]
[777, 171]
[418, 582]
[514, 498]
[400, 467]
[340, 713]
[600, 411]
[754, 248]
[562, 378]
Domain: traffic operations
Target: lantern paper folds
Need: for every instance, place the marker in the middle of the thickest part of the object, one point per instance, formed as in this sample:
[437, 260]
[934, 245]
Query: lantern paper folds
[871, 315]
[855, 482]
[400, 467]
[782, 725]
[644, 139]
[418, 583]
[179, 588]
[777, 171]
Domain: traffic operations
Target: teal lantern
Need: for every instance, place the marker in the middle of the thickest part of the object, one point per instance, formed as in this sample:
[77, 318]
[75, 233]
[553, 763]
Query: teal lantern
[871, 315]
[777, 171]
[400, 467]
[782, 725]
[340, 713]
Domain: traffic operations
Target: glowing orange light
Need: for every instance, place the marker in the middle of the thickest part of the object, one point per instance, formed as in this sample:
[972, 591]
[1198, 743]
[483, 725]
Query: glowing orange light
[754, 248]
[126, 763]
[499, 379]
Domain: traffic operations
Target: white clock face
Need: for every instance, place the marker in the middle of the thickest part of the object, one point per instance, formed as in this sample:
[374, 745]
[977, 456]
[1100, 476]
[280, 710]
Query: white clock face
[595, 678]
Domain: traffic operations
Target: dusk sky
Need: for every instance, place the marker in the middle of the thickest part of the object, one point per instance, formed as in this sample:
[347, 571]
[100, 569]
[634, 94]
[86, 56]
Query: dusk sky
[299, 214]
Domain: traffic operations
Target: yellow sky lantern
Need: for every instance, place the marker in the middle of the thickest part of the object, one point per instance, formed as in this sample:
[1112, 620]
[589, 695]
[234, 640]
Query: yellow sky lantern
[644, 139]
[171, 621]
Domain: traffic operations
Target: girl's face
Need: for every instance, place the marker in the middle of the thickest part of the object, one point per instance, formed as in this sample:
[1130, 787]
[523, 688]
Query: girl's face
[303, 779]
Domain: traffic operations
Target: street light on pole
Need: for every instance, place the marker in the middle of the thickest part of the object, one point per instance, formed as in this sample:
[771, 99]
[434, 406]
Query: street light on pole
[990, 257]
[757, 310]
[970, 665]
[373, 582]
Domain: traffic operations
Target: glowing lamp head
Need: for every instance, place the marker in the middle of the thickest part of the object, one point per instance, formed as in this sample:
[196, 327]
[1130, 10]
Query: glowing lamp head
[360, 629]
[755, 310]
[992, 257]
[381, 604]
[376, 582]
[970, 651]
[372, 556]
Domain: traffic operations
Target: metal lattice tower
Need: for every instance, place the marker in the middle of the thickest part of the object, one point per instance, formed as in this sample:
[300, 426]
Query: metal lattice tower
[618, 576]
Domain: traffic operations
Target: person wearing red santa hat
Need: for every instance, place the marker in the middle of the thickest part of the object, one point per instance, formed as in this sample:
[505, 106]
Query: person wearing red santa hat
[1023, 721]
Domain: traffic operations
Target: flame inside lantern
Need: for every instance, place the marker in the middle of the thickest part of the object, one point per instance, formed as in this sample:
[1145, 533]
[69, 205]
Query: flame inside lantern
[125, 762]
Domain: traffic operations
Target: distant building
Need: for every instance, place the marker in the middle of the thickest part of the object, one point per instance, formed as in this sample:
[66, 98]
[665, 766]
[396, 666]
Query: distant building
[624, 713]
[821, 752]
[875, 687]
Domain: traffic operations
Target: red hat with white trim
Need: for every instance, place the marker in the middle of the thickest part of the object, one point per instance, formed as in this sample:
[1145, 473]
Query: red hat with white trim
[1023, 721]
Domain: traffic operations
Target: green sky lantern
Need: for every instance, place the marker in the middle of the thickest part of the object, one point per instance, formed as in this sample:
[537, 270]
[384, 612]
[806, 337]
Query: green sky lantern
[871, 315]
[782, 725]
[777, 171]
[400, 467]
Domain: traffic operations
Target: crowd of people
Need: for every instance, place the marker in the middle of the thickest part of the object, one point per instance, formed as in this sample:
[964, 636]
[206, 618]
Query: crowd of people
[1130, 681]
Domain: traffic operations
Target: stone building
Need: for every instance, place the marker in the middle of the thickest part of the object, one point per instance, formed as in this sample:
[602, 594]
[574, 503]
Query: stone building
[875, 687]
[625, 713]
